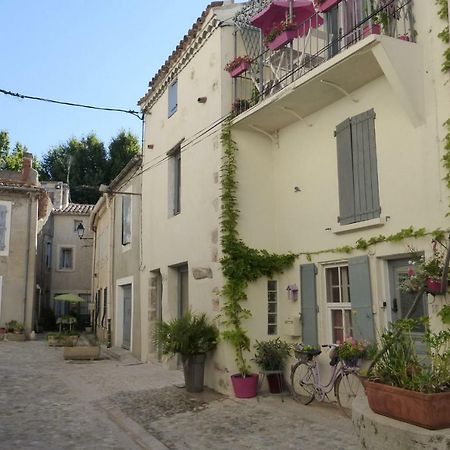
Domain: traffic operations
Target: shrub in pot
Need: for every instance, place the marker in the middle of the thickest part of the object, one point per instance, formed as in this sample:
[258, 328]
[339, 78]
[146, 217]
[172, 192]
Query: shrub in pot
[190, 336]
[409, 387]
[270, 357]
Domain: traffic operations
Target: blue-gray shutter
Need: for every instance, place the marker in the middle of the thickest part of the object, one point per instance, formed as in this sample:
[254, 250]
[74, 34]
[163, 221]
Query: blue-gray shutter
[309, 304]
[126, 219]
[3, 213]
[173, 97]
[345, 173]
[365, 172]
[361, 298]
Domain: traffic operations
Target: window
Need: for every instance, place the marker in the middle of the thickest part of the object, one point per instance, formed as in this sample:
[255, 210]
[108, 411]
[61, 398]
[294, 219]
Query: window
[126, 219]
[338, 302]
[272, 306]
[5, 225]
[175, 181]
[48, 255]
[66, 258]
[173, 98]
[357, 169]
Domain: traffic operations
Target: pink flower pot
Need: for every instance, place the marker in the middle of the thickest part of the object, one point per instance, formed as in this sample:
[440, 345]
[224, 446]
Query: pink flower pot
[371, 29]
[433, 286]
[282, 39]
[239, 69]
[245, 387]
[404, 37]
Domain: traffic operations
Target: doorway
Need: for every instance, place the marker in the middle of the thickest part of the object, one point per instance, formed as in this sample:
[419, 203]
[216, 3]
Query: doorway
[127, 303]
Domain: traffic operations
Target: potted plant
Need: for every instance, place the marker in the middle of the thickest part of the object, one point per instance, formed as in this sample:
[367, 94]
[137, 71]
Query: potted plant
[240, 105]
[15, 331]
[404, 386]
[281, 34]
[190, 336]
[238, 65]
[425, 272]
[270, 357]
[351, 351]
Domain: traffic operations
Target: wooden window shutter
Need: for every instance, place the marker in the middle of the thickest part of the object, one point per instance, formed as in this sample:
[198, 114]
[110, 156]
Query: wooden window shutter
[173, 97]
[361, 298]
[126, 219]
[3, 214]
[309, 304]
[365, 172]
[345, 173]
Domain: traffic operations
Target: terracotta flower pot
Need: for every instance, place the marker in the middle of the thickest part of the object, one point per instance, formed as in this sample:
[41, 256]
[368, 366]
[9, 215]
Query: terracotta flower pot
[430, 411]
[433, 286]
[245, 387]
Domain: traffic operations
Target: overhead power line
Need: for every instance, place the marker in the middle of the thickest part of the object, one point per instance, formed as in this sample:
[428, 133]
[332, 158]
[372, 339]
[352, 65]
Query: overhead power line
[78, 105]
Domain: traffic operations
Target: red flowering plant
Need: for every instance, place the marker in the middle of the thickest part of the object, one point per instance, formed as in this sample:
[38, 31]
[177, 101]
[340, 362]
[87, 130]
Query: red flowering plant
[236, 62]
[284, 25]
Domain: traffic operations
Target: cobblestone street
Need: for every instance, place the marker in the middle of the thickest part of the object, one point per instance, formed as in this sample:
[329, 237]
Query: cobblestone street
[47, 403]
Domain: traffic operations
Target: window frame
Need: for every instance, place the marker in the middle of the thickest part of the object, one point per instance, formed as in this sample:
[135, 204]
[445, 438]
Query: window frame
[60, 249]
[341, 305]
[172, 98]
[126, 232]
[272, 315]
[7, 232]
[174, 164]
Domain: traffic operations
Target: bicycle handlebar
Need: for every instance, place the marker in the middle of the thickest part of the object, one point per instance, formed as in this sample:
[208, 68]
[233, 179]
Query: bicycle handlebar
[330, 345]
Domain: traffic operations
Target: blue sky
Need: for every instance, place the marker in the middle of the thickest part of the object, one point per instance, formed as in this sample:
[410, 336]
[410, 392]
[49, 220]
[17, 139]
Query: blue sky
[99, 52]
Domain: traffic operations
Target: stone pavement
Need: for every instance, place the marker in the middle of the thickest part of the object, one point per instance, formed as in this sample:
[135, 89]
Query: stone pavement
[47, 403]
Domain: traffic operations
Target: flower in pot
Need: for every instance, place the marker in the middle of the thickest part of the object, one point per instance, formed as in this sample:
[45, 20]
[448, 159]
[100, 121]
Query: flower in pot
[19, 328]
[270, 357]
[407, 386]
[190, 336]
[425, 272]
[351, 350]
[238, 65]
[281, 34]
[11, 326]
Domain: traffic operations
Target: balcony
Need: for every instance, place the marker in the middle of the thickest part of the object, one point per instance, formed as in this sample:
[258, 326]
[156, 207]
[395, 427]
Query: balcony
[332, 54]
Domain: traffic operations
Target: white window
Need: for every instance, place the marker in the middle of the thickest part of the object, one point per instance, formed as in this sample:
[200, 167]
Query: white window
[126, 219]
[5, 227]
[338, 302]
[66, 258]
[272, 307]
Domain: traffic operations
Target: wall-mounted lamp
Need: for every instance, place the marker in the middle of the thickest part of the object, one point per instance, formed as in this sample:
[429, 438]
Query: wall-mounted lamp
[80, 232]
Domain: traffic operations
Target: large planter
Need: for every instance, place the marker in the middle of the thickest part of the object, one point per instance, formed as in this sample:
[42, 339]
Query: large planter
[245, 387]
[282, 39]
[82, 352]
[194, 371]
[430, 411]
[371, 29]
[62, 341]
[239, 69]
[17, 337]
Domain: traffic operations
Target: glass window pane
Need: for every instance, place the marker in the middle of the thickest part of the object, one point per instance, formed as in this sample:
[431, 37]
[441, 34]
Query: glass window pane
[272, 285]
[272, 318]
[335, 295]
[337, 325]
[348, 323]
[271, 329]
[272, 308]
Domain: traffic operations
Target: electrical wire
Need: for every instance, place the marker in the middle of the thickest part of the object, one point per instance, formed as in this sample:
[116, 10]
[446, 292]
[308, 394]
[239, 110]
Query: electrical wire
[78, 105]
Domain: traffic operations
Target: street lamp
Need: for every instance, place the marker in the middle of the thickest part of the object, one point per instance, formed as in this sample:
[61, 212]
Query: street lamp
[80, 232]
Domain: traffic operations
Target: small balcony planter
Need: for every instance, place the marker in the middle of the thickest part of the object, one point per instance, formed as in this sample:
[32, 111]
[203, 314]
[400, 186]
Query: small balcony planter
[282, 39]
[431, 411]
[324, 5]
[239, 65]
[433, 286]
[240, 69]
[375, 28]
[245, 387]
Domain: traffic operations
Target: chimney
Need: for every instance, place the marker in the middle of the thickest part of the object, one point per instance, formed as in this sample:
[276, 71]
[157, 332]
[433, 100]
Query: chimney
[27, 164]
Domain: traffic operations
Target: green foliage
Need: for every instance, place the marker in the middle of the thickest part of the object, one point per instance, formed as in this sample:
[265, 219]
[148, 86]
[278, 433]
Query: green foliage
[240, 263]
[84, 163]
[12, 158]
[444, 314]
[187, 335]
[14, 325]
[399, 365]
[271, 354]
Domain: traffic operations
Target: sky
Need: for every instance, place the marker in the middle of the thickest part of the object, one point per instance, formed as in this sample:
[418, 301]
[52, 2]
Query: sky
[96, 52]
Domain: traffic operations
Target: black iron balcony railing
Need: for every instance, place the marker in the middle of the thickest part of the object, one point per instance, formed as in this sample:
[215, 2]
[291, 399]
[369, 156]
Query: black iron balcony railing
[318, 39]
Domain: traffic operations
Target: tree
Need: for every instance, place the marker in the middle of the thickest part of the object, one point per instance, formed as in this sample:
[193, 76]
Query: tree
[12, 159]
[121, 149]
[84, 164]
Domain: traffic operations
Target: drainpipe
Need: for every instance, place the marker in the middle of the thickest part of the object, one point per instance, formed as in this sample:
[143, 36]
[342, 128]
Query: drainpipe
[27, 257]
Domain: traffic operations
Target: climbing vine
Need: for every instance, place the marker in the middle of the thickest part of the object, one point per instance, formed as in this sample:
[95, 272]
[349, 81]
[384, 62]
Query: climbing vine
[241, 264]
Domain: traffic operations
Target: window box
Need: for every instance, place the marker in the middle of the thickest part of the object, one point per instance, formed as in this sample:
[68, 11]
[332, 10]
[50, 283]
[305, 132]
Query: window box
[282, 39]
[371, 29]
[241, 68]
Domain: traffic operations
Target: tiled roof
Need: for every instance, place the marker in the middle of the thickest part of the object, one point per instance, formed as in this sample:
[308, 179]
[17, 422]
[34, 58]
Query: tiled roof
[192, 33]
[74, 209]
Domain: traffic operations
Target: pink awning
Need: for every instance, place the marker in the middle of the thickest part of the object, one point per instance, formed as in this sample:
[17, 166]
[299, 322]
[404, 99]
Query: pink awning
[278, 10]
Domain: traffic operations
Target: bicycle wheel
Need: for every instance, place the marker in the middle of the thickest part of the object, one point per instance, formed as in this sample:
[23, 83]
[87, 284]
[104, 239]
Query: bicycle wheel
[346, 387]
[302, 383]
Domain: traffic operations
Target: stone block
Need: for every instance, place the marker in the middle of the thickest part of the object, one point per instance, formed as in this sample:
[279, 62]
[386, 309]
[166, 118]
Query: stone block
[200, 273]
[82, 352]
